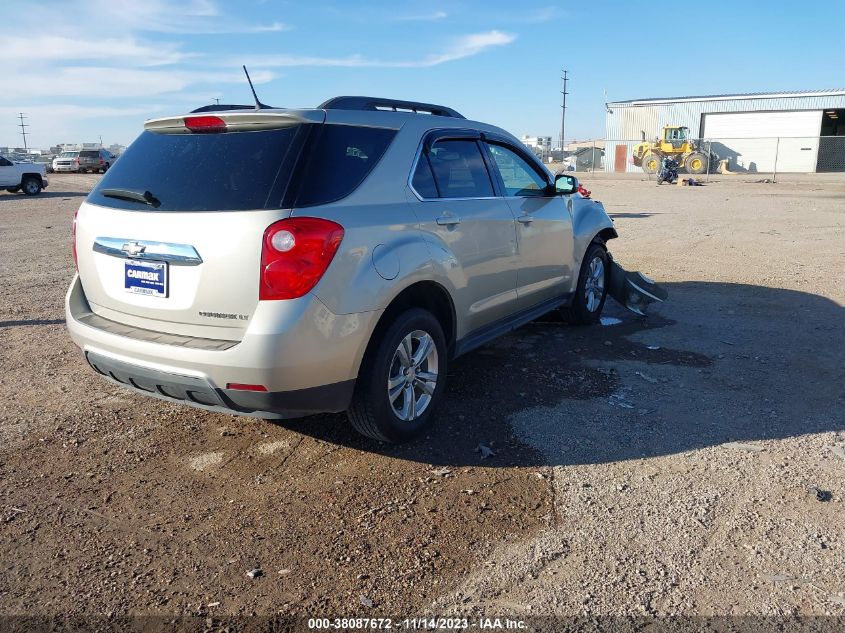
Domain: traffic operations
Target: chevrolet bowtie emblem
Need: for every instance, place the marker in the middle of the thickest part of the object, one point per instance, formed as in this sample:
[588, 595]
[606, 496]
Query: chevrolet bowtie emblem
[133, 248]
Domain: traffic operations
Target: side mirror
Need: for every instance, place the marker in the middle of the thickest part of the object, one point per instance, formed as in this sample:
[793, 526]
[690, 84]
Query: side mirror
[565, 184]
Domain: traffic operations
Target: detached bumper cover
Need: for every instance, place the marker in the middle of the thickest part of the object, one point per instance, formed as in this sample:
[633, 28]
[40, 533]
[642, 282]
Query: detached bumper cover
[634, 290]
[198, 392]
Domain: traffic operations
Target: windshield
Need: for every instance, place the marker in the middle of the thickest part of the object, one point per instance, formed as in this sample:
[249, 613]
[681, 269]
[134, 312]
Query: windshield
[68, 154]
[205, 172]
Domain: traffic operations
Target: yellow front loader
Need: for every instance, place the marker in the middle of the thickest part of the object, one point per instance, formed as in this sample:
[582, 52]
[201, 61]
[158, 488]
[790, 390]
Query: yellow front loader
[675, 143]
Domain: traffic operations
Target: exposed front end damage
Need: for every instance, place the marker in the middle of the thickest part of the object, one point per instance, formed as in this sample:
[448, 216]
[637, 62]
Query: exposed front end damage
[633, 290]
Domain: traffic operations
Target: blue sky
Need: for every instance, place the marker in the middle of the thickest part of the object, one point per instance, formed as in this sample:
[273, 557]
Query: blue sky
[91, 68]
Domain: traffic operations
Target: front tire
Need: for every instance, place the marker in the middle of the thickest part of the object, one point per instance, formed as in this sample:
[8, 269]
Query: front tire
[402, 379]
[651, 163]
[591, 291]
[696, 163]
[31, 186]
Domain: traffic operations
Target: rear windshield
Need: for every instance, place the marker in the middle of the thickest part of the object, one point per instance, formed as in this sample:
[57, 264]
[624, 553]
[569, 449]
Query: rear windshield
[90, 154]
[301, 165]
[204, 172]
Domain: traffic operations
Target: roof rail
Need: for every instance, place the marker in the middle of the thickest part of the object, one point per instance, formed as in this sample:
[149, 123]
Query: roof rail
[379, 103]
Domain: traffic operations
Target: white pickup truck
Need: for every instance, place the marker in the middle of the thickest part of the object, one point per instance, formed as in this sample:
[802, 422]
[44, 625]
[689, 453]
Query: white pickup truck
[30, 178]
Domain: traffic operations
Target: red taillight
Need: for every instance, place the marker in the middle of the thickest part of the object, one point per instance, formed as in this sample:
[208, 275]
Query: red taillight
[293, 262]
[244, 387]
[73, 240]
[102, 161]
[205, 124]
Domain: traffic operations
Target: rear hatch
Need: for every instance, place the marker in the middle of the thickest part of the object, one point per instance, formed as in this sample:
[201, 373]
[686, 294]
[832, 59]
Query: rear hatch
[170, 239]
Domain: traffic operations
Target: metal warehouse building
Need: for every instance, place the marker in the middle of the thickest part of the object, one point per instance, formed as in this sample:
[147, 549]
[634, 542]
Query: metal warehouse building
[789, 131]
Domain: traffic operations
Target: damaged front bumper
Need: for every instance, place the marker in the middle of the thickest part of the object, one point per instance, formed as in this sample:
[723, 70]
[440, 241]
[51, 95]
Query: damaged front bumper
[633, 290]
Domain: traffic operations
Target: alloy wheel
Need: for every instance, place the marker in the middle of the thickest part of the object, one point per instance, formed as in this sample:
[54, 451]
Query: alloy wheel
[412, 378]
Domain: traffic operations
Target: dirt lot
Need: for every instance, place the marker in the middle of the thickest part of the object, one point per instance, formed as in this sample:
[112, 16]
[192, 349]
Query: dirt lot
[692, 462]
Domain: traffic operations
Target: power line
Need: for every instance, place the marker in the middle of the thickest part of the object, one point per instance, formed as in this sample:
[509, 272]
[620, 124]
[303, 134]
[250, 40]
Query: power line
[23, 127]
[563, 109]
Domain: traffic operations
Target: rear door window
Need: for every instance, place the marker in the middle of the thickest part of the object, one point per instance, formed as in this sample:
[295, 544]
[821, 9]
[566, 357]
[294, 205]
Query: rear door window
[340, 158]
[459, 169]
[205, 172]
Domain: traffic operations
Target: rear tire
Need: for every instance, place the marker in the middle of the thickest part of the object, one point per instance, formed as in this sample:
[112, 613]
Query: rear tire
[31, 186]
[396, 382]
[696, 163]
[591, 291]
[105, 168]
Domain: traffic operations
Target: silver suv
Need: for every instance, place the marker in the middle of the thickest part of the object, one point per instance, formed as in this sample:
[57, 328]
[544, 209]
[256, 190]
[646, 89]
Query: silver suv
[280, 262]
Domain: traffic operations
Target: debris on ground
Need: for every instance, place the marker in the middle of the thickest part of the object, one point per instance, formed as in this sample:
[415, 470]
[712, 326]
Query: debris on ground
[646, 377]
[751, 448]
[366, 602]
[485, 451]
[838, 451]
[255, 573]
[442, 472]
[821, 495]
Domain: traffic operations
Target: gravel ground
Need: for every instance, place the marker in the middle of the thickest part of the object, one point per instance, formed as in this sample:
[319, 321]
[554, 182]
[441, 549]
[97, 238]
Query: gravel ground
[691, 462]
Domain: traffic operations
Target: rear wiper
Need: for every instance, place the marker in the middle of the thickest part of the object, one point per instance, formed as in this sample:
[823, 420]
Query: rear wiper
[133, 196]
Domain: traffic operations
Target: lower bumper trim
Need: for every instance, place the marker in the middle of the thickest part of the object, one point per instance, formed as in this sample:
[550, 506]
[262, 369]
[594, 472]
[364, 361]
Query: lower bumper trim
[198, 392]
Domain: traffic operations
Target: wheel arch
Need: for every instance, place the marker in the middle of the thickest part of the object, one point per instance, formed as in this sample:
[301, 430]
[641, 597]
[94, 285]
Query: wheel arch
[428, 295]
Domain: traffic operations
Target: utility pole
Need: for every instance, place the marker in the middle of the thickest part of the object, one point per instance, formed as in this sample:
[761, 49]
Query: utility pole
[563, 110]
[23, 127]
[216, 101]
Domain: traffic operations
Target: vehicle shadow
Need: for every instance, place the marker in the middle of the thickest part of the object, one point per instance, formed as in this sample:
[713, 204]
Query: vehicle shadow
[6, 196]
[632, 215]
[544, 395]
[28, 322]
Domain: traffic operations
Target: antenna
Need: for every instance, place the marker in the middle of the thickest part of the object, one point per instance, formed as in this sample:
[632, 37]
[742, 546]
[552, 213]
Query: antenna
[258, 104]
[23, 127]
[606, 106]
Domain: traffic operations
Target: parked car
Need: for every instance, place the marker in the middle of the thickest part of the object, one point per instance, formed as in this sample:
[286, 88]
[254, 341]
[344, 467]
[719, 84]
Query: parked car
[95, 160]
[331, 259]
[66, 161]
[28, 177]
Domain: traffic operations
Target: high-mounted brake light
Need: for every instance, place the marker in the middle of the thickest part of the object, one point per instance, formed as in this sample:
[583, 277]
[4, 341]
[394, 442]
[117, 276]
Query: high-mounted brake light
[73, 240]
[294, 256]
[205, 124]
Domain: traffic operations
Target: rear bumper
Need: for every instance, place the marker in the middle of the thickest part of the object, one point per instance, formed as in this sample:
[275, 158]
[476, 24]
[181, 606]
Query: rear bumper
[199, 392]
[307, 358]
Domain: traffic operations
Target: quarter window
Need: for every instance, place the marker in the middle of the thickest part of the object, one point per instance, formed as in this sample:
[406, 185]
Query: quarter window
[459, 170]
[520, 179]
[423, 181]
[341, 158]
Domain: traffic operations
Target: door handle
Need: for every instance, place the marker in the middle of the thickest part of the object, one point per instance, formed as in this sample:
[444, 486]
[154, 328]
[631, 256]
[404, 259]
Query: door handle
[448, 220]
[525, 219]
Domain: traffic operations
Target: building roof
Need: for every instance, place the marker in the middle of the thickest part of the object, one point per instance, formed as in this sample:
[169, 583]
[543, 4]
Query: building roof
[830, 92]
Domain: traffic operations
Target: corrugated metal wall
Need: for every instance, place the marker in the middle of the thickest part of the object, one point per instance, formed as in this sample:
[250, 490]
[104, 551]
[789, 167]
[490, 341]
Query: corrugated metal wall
[627, 121]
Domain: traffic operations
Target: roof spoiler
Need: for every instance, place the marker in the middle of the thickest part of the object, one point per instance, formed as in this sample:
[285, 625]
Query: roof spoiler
[379, 103]
[223, 107]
